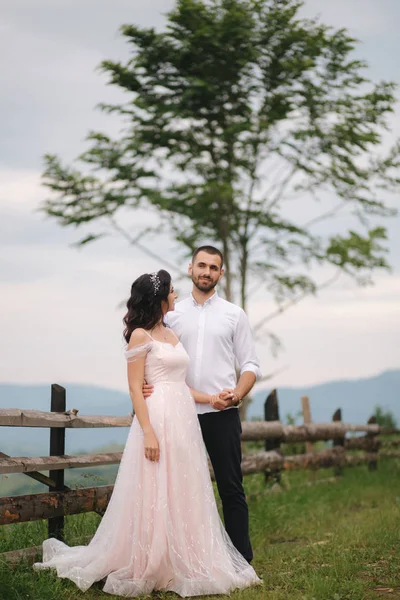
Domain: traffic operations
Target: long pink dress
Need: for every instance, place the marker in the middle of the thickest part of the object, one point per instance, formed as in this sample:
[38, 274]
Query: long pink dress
[161, 530]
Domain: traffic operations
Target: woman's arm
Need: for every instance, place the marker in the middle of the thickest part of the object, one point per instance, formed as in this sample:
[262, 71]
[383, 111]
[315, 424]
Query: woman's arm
[218, 401]
[201, 397]
[135, 381]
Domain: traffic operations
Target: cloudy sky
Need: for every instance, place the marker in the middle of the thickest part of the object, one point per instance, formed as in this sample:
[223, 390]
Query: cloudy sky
[59, 315]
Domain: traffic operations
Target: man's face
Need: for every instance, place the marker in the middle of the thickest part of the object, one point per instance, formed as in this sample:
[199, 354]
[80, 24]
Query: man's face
[206, 271]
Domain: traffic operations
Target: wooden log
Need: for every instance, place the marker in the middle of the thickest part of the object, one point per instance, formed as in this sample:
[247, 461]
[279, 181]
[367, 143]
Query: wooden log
[370, 444]
[15, 417]
[389, 454]
[45, 480]
[271, 413]
[389, 431]
[254, 463]
[33, 507]
[252, 430]
[27, 464]
[57, 448]
[17, 509]
[34, 554]
[258, 430]
[14, 557]
[389, 443]
[35, 475]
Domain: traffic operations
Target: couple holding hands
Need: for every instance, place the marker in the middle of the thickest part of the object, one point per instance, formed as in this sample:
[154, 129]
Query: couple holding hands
[161, 530]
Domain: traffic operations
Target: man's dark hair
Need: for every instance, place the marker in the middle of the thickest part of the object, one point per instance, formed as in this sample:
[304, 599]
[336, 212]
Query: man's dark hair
[209, 250]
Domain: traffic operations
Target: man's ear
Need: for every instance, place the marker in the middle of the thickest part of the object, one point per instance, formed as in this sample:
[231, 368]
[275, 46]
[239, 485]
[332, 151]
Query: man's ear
[221, 274]
[190, 268]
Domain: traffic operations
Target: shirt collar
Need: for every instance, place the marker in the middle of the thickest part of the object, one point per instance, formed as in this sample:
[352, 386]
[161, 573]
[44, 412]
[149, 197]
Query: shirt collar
[208, 301]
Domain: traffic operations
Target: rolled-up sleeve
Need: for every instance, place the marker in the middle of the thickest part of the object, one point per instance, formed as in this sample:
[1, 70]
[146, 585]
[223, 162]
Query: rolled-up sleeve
[244, 347]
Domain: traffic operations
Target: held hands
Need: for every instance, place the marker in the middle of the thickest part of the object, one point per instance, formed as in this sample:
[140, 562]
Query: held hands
[224, 399]
[151, 447]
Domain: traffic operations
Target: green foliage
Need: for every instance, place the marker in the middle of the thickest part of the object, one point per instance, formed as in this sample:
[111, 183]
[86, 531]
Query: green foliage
[235, 109]
[326, 541]
[384, 418]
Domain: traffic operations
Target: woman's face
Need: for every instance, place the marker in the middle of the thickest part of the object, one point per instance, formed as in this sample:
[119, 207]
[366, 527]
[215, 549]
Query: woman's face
[172, 296]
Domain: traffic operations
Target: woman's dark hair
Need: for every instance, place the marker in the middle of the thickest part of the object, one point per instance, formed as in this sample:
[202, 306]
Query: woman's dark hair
[144, 305]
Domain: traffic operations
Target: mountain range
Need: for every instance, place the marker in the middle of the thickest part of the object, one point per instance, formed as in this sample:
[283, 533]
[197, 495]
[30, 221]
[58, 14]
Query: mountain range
[357, 398]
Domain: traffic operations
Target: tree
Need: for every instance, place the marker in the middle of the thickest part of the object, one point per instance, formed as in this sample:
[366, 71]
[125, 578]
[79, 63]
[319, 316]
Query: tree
[384, 418]
[235, 111]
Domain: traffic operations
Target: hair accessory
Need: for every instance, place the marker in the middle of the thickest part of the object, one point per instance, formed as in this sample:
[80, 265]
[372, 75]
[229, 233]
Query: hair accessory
[155, 280]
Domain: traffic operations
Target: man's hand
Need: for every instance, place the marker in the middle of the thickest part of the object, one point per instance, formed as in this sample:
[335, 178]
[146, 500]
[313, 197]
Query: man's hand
[231, 395]
[147, 390]
[224, 399]
[218, 403]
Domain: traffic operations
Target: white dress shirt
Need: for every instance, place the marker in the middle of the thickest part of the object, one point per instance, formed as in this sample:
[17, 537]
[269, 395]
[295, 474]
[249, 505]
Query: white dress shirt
[216, 335]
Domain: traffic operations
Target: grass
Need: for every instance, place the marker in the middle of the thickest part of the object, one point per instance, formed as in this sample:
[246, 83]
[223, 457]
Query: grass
[332, 541]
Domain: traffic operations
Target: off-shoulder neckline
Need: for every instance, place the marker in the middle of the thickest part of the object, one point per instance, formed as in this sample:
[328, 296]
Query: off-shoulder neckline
[161, 342]
[167, 343]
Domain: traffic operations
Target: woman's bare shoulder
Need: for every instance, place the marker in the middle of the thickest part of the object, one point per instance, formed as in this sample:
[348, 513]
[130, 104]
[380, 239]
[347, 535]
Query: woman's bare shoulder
[138, 338]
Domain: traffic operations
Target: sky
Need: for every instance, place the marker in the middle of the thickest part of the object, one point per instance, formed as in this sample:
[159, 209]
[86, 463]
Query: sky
[60, 307]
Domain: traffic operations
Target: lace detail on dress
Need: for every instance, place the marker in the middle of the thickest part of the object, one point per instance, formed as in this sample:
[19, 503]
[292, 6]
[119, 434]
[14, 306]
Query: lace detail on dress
[137, 352]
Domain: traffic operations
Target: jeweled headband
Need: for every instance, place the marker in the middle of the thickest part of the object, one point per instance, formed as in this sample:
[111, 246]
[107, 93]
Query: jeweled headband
[155, 280]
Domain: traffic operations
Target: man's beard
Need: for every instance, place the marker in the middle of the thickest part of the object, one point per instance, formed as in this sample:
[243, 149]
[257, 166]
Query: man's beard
[204, 285]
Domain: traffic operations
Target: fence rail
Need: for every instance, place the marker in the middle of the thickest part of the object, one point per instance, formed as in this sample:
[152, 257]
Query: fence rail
[61, 500]
[27, 464]
[252, 430]
[15, 417]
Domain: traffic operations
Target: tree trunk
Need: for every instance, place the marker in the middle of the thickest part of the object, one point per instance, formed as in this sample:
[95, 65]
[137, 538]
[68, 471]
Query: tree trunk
[227, 269]
[243, 277]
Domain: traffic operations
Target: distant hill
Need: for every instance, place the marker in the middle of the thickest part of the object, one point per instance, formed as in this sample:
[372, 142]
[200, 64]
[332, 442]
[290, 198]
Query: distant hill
[357, 399]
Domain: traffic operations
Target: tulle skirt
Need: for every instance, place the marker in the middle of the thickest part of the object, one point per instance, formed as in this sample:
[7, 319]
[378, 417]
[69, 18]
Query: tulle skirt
[161, 530]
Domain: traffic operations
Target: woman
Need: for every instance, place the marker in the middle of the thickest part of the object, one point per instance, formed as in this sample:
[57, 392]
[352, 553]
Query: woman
[161, 530]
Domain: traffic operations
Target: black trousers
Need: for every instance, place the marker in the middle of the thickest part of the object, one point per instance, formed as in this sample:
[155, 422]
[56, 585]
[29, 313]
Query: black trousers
[221, 433]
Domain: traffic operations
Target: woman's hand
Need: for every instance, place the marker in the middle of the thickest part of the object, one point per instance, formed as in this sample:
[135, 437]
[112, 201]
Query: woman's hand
[151, 447]
[220, 401]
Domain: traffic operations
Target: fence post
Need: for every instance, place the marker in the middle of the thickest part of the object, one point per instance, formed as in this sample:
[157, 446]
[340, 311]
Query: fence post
[271, 413]
[306, 410]
[57, 448]
[373, 463]
[338, 442]
[310, 446]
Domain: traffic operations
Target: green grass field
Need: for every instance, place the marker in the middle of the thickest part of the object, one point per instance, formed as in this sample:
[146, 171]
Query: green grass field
[328, 541]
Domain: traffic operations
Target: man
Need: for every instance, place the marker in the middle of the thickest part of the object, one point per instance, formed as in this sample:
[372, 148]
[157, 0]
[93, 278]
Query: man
[215, 334]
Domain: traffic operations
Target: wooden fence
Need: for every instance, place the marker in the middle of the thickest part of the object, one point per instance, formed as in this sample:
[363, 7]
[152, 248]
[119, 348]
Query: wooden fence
[61, 500]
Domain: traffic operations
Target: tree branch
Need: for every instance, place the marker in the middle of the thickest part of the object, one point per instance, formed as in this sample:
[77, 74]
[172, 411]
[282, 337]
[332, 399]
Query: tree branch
[135, 242]
[284, 307]
[281, 186]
